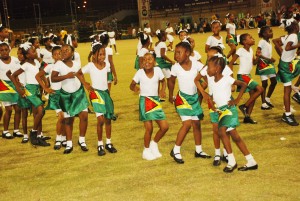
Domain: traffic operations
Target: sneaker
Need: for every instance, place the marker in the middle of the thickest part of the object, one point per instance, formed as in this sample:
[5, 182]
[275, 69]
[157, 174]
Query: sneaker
[101, 151]
[265, 106]
[296, 97]
[269, 103]
[117, 53]
[110, 148]
[148, 155]
[41, 142]
[154, 149]
[290, 120]
[243, 109]
[249, 120]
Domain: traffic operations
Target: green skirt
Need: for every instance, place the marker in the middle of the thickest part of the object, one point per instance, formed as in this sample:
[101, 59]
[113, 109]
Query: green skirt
[54, 101]
[110, 77]
[232, 39]
[188, 105]
[102, 103]
[23, 102]
[163, 63]
[136, 62]
[228, 117]
[251, 84]
[287, 71]
[264, 67]
[8, 92]
[73, 103]
[150, 109]
[33, 94]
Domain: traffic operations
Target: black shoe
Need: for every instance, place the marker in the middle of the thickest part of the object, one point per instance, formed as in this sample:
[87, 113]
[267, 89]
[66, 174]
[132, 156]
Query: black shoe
[46, 137]
[64, 143]
[296, 97]
[243, 109]
[7, 136]
[224, 159]
[57, 145]
[101, 151]
[245, 168]
[266, 107]
[33, 137]
[178, 160]
[68, 150]
[202, 155]
[229, 168]
[110, 148]
[217, 162]
[25, 140]
[290, 120]
[114, 117]
[41, 142]
[269, 104]
[17, 134]
[83, 148]
[248, 120]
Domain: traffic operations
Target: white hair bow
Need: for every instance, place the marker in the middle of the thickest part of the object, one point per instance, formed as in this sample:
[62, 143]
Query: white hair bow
[26, 46]
[185, 40]
[288, 22]
[217, 21]
[157, 32]
[219, 55]
[145, 36]
[103, 33]
[96, 43]
[92, 36]
[69, 40]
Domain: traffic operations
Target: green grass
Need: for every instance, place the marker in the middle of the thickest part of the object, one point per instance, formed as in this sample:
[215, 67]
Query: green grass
[28, 173]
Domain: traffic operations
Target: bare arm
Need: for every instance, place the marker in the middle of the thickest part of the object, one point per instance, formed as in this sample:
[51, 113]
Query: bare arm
[113, 70]
[259, 55]
[133, 86]
[289, 46]
[278, 45]
[234, 58]
[14, 79]
[141, 59]
[40, 77]
[206, 48]
[86, 85]
[164, 56]
[172, 80]
[57, 78]
[243, 86]
[162, 91]
[89, 57]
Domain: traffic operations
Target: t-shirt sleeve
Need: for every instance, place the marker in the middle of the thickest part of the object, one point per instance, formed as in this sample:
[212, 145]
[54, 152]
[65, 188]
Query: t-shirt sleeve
[203, 72]
[48, 68]
[86, 69]
[292, 38]
[208, 41]
[227, 71]
[109, 51]
[260, 44]
[160, 74]
[227, 26]
[174, 70]
[24, 67]
[230, 79]
[239, 52]
[136, 77]
[57, 66]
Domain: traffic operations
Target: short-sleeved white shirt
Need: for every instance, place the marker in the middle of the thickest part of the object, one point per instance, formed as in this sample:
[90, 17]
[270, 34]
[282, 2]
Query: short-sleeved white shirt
[266, 48]
[213, 41]
[196, 56]
[108, 52]
[31, 71]
[147, 30]
[12, 66]
[231, 27]
[288, 56]
[246, 60]
[54, 85]
[77, 58]
[47, 56]
[111, 34]
[148, 86]
[221, 90]
[186, 78]
[226, 72]
[159, 46]
[169, 30]
[98, 77]
[70, 85]
[142, 52]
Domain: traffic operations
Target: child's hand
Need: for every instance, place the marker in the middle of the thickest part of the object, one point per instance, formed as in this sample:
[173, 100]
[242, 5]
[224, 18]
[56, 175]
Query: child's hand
[136, 89]
[162, 94]
[206, 97]
[21, 93]
[272, 60]
[88, 86]
[232, 102]
[232, 88]
[70, 75]
[115, 80]
[49, 91]
[172, 99]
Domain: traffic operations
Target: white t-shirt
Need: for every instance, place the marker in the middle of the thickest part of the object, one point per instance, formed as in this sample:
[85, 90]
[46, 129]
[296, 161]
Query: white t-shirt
[213, 41]
[231, 27]
[148, 86]
[221, 90]
[77, 58]
[288, 56]
[12, 66]
[266, 48]
[98, 77]
[108, 52]
[169, 30]
[246, 60]
[31, 71]
[38, 51]
[54, 85]
[147, 30]
[47, 56]
[226, 72]
[142, 52]
[159, 46]
[70, 85]
[186, 78]
[111, 34]
[196, 56]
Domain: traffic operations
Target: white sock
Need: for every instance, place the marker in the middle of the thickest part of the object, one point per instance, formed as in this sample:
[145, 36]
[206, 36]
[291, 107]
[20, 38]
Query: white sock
[5, 131]
[217, 152]
[58, 138]
[39, 135]
[63, 138]
[267, 99]
[288, 113]
[108, 141]
[100, 143]
[225, 152]
[250, 160]
[231, 159]
[81, 139]
[176, 149]
[33, 130]
[25, 136]
[154, 143]
[16, 130]
[198, 148]
[69, 143]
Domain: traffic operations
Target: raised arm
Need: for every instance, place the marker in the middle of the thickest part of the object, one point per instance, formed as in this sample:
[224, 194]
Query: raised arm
[40, 78]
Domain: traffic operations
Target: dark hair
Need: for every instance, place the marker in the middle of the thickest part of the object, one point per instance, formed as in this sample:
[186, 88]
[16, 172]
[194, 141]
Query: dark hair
[2, 28]
[144, 41]
[32, 40]
[160, 35]
[185, 45]
[97, 47]
[291, 28]
[45, 40]
[104, 39]
[145, 24]
[263, 30]
[72, 48]
[4, 44]
[55, 48]
[217, 48]
[66, 36]
[219, 61]
[152, 54]
[56, 40]
[243, 38]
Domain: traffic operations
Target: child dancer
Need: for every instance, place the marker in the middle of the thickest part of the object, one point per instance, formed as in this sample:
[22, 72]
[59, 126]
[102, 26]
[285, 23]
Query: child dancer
[112, 39]
[265, 66]
[54, 97]
[170, 32]
[215, 40]
[145, 44]
[147, 30]
[214, 116]
[149, 78]
[99, 95]
[231, 39]
[31, 91]
[183, 34]
[69, 39]
[4, 35]
[74, 100]
[246, 63]
[9, 100]
[228, 115]
[288, 69]
[46, 53]
[186, 101]
[36, 44]
[195, 55]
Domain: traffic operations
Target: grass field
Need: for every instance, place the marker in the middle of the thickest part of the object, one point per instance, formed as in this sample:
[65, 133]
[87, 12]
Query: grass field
[28, 173]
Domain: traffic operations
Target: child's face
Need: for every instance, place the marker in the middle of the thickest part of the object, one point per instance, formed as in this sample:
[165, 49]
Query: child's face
[216, 28]
[56, 55]
[36, 44]
[163, 38]
[182, 35]
[4, 51]
[48, 43]
[20, 56]
[181, 54]
[74, 43]
[5, 33]
[269, 33]
[211, 69]
[231, 17]
[101, 55]
[31, 54]
[249, 40]
[66, 53]
[148, 61]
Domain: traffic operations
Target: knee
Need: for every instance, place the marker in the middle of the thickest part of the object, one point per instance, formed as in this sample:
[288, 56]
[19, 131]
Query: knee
[260, 89]
[8, 110]
[264, 84]
[84, 117]
[273, 82]
[236, 139]
[165, 128]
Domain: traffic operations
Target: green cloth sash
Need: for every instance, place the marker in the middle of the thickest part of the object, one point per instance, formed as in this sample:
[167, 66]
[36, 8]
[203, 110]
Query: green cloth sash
[287, 71]
[33, 94]
[8, 92]
[150, 109]
[102, 103]
[265, 67]
[162, 63]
